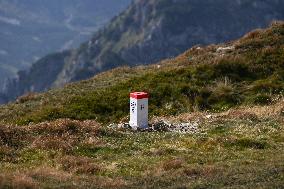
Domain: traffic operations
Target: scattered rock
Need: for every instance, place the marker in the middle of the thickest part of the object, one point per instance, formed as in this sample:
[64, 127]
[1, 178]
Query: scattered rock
[176, 127]
[162, 126]
[208, 116]
[282, 112]
[119, 126]
[185, 128]
[243, 115]
[225, 49]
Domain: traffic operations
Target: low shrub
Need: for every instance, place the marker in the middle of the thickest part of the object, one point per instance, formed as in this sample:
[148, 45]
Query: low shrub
[262, 99]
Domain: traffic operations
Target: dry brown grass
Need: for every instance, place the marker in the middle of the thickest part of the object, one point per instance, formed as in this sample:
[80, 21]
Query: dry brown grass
[53, 143]
[6, 153]
[24, 182]
[81, 165]
[110, 183]
[256, 112]
[252, 113]
[240, 114]
[48, 173]
[192, 172]
[54, 178]
[34, 140]
[12, 136]
[59, 134]
[253, 34]
[26, 97]
[266, 111]
[172, 164]
[63, 127]
[202, 171]
[2, 181]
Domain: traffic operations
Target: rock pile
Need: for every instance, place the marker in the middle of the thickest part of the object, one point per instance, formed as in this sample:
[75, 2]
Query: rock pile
[175, 127]
[163, 126]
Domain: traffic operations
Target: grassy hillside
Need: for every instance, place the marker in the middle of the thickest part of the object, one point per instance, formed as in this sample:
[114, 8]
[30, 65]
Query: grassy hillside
[249, 71]
[232, 92]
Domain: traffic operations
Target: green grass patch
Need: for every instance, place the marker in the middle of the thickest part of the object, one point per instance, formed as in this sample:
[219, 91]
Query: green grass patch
[244, 143]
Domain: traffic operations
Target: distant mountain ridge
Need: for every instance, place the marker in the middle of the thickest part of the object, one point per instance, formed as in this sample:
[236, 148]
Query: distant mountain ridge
[146, 32]
[31, 29]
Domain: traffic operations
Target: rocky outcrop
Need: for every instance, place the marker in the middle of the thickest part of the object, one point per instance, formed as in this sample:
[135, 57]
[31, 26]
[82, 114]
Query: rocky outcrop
[38, 78]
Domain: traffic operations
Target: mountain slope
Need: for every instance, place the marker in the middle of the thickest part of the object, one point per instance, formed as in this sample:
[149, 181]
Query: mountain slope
[217, 77]
[31, 29]
[149, 31]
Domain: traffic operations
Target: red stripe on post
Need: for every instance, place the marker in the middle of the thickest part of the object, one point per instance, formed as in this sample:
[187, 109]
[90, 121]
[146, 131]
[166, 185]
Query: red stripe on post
[139, 95]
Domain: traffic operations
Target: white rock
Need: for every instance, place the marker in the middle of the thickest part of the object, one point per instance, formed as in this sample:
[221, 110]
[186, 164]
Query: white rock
[225, 49]
[208, 116]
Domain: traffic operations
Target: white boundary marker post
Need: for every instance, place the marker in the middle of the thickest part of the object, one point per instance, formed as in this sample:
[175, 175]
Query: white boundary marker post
[139, 110]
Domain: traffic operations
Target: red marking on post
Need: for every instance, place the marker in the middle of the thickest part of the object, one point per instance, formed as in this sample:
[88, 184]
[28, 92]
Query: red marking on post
[139, 95]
